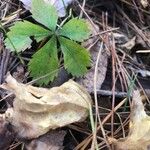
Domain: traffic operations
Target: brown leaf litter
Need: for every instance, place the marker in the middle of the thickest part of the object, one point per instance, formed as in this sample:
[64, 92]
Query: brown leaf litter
[37, 110]
[93, 44]
[52, 140]
[139, 128]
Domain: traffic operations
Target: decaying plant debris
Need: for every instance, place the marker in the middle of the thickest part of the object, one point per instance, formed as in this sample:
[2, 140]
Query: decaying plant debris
[139, 134]
[120, 52]
[52, 140]
[37, 110]
[93, 44]
[59, 4]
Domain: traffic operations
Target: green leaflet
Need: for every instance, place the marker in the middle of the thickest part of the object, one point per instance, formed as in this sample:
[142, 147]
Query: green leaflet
[76, 29]
[76, 58]
[17, 43]
[44, 13]
[45, 61]
[19, 35]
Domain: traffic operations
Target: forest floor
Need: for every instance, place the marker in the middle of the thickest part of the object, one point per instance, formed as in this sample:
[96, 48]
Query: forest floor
[118, 79]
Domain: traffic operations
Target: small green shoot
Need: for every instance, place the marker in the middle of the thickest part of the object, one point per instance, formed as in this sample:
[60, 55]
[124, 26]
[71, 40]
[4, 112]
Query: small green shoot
[46, 60]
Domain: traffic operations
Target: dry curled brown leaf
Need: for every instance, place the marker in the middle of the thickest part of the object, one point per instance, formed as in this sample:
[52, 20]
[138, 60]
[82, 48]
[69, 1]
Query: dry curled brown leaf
[139, 134]
[37, 110]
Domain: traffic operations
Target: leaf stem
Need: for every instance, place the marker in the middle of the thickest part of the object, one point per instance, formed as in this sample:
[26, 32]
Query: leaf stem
[69, 16]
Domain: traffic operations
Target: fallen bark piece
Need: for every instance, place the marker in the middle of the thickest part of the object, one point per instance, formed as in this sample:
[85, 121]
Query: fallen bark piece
[139, 129]
[37, 110]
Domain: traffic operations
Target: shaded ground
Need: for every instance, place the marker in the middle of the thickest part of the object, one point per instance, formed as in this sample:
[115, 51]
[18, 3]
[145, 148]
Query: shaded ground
[124, 29]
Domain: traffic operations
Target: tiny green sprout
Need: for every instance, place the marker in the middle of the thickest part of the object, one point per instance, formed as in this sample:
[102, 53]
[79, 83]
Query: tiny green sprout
[65, 37]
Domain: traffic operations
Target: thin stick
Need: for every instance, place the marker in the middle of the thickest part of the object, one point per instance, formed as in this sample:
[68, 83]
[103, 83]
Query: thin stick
[81, 12]
[110, 93]
[113, 88]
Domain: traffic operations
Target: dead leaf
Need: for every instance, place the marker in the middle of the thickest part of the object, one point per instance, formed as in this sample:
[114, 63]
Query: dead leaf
[88, 80]
[51, 141]
[60, 5]
[6, 137]
[129, 45]
[20, 75]
[144, 3]
[120, 38]
[37, 110]
[139, 129]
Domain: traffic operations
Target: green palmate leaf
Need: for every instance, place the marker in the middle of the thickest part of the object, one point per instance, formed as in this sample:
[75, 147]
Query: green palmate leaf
[45, 62]
[18, 38]
[44, 13]
[76, 29]
[76, 58]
